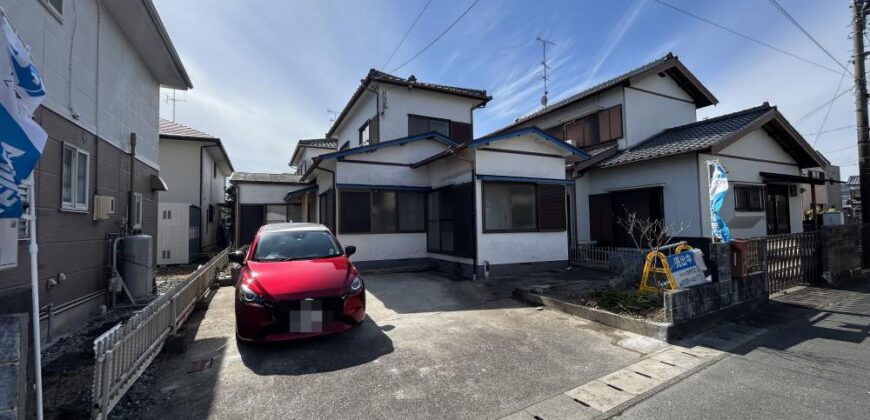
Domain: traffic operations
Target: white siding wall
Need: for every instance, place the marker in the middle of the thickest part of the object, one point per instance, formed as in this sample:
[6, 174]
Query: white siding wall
[596, 103]
[755, 145]
[513, 248]
[180, 171]
[400, 103]
[251, 193]
[126, 97]
[677, 176]
[647, 114]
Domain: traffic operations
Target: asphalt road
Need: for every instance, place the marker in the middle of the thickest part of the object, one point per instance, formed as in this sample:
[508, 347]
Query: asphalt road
[430, 348]
[814, 363]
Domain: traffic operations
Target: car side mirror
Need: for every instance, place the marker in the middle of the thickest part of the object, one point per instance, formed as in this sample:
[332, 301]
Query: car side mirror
[237, 256]
[349, 250]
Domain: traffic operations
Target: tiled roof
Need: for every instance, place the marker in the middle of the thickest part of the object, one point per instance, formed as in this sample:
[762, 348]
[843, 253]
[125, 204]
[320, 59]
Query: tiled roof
[599, 149]
[320, 143]
[263, 177]
[702, 96]
[379, 76]
[170, 128]
[854, 180]
[692, 137]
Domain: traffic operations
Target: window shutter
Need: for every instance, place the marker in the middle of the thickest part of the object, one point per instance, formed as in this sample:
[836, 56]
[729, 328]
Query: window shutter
[616, 122]
[355, 212]
[374, 130]
[461, 132]
[604, 125]
[551, 207]
[574, 131]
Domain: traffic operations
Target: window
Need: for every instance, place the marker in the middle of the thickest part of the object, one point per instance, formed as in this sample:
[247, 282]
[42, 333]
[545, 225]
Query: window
[748, 198]
[520, 207]
[327, 209]
[74, 179]
[450, 221]
[288, 245]
[137, 211]
[604, 125]
[381, 211]
[421, 125]
[24, 225]
[364, 134]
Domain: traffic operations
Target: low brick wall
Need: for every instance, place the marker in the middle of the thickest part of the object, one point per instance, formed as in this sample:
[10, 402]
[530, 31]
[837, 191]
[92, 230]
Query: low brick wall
[684, 305]
[841, 260]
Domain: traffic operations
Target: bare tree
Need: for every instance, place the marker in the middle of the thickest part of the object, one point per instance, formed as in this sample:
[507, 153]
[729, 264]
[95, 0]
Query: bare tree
[649, 233]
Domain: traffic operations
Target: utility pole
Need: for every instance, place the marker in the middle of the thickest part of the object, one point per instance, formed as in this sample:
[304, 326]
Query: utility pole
[859, 14]
[174, 101]
[546, 68]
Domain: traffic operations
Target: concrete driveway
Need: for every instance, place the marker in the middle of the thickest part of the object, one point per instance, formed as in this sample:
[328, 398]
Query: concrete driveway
[430, 348]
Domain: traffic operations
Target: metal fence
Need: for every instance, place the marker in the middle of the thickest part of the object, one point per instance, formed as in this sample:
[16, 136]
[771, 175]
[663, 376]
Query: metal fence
[598, 257]
[123, 352]
[786, 260]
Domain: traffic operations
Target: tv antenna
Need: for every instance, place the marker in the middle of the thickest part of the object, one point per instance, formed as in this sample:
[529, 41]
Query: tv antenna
[545, 68]
[332, 116]
[174, 101]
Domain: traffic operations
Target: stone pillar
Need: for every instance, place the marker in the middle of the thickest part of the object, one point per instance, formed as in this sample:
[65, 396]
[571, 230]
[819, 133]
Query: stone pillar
[720, 254]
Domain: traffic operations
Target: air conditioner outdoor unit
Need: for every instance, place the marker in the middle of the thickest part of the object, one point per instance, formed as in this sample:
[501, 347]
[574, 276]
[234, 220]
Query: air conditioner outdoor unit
[104, 207]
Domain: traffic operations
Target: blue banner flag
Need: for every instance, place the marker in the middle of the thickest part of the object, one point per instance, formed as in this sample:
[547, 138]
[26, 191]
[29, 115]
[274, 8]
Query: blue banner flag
[21, 138]
[718, 188]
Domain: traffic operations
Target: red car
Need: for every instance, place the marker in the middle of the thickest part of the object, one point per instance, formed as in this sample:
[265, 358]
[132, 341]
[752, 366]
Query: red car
[296, 282]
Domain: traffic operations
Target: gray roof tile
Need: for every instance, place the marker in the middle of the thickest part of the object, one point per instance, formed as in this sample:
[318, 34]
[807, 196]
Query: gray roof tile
[321, 143]
[171, 128]
[687, 138]
[264, 177]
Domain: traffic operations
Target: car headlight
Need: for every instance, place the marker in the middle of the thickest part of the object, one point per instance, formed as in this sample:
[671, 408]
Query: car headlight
[247, 295]
[355, 285]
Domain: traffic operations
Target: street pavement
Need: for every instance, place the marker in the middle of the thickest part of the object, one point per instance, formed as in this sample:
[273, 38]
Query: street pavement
[430, 348]
[813, 363]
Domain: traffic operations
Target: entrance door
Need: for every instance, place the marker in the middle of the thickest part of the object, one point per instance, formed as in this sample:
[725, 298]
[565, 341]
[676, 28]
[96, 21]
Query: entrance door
[251, 217]
[777, 211]
[605, 211]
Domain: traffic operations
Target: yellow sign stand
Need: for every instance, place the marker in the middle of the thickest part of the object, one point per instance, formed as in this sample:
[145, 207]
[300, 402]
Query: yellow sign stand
[651, 267]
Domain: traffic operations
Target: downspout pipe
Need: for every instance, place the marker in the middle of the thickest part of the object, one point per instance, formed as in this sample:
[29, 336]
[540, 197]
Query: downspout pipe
[130, 197]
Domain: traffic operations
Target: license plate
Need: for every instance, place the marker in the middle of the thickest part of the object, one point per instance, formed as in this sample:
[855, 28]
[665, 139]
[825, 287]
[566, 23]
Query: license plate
[309, 317]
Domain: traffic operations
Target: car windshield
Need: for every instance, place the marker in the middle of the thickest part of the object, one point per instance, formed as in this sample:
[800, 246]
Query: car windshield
[288, 246]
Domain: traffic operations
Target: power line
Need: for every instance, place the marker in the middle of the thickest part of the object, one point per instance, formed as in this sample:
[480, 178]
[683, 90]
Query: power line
[747, 37]
[828, 112]
[438, 37]
[794, 22]
[407, 33]
[833, 130]
[822, 106]
[841, 149]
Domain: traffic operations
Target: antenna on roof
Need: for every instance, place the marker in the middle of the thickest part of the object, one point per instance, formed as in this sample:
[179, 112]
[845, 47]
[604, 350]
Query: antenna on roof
[545, 67]
[332, 116]
[174, 101]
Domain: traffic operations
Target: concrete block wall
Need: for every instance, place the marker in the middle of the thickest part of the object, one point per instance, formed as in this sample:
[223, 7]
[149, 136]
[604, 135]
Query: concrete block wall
[14, 340]
[686, 304]
[840, 257]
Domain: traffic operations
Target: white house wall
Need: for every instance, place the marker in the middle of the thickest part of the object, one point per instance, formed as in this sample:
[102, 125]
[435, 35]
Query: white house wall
[758, 147]
[180, 171]
[646, 114]
[252, 193]
[213, 193]
[365, 108]
[676, 176]
[124, 100]
[587, 106]
[524, 247]
[402, 101]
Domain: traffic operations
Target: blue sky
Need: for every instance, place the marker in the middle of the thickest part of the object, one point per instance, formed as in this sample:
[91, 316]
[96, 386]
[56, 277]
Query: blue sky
[266, 71]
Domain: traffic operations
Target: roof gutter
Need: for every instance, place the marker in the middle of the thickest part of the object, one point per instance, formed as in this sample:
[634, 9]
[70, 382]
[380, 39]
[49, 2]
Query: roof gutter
[167, 42]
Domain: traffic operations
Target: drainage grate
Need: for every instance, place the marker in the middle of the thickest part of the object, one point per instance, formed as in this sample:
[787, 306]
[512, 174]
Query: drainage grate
[616, 387]
[643, 374]
[581, 402]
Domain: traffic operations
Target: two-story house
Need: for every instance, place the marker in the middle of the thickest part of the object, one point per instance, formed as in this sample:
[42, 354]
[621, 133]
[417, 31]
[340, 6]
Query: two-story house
[650, 153]
[102, 63]
[408, 184]
[195, 167]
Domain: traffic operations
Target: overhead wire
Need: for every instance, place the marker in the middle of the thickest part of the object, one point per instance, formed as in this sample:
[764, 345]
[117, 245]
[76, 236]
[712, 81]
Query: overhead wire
[744, 36]
[449, 27]
[419, 15]
[828, 112]
[800, 27]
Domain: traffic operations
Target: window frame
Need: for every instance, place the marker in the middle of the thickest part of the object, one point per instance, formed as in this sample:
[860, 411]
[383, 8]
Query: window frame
[73, 205]
[365, 128]
[592, 129]
[371, 224]
[755, 189]
[410, 116]
[58, 14]
[537, 226]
